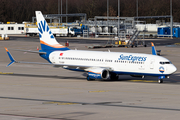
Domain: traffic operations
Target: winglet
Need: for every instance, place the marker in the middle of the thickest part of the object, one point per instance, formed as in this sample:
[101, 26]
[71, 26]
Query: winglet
[153, 49]
[10, 57]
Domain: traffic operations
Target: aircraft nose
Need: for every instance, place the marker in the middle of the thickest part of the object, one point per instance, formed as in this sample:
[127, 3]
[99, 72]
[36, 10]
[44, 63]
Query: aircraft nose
[173, 69]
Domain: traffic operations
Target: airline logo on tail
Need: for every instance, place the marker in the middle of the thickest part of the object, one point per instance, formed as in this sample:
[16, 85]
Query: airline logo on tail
[43, 27]
[47, 39]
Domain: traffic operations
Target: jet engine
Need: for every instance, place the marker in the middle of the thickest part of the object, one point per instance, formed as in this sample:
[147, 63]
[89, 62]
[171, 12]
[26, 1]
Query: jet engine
[98, 73]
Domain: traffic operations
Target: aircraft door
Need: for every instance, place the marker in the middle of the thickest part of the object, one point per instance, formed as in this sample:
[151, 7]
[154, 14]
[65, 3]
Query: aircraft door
[152, 64]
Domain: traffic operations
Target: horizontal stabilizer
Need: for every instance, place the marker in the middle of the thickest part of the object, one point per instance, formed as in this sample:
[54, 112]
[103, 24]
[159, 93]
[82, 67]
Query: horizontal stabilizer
[39, 63]
[38, 52]
[14, 61]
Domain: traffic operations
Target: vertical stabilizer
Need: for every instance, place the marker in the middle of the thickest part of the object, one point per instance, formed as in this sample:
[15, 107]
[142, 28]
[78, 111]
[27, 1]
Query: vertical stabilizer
[47, 39]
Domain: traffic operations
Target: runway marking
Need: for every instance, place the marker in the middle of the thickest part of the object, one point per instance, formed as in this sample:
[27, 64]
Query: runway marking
[2, 73]
[151, 81]
[28, 116]
[60, 103]
[101, 104]
[99, 91]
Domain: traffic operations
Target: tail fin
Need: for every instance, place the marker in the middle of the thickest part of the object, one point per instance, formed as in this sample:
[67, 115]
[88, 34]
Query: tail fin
[153, 49]
[47, 39]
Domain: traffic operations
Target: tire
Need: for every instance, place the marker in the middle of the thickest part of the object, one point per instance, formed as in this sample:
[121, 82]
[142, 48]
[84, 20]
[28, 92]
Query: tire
[160, 81]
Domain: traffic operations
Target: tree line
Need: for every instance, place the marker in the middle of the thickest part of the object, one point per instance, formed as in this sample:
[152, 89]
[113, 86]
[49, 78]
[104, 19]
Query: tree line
[24, 10]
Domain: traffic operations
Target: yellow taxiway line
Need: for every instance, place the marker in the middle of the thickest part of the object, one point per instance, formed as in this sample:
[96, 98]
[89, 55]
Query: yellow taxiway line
[2, 73]
[149, 81]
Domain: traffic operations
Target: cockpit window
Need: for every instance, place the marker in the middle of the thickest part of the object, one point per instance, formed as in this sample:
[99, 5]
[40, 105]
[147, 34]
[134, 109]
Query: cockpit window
[162, 63]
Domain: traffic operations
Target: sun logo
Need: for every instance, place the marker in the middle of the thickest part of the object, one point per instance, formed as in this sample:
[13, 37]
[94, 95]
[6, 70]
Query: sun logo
[44, 31]
[161, 69]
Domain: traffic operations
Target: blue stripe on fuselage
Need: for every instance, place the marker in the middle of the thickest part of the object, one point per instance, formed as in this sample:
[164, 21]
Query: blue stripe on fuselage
[126, 73]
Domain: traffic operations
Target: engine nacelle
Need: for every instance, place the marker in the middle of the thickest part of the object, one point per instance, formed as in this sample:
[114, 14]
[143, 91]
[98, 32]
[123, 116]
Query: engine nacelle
[99, 73]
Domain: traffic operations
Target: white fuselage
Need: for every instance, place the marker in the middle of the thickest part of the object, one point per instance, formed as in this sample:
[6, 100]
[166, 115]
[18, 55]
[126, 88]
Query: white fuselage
[124, 63]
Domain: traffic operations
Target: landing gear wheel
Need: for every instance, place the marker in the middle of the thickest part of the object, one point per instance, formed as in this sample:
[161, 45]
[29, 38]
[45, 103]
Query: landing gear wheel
[160, 81]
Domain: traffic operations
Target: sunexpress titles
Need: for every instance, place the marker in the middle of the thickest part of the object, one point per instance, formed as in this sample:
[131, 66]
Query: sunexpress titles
[132, 58]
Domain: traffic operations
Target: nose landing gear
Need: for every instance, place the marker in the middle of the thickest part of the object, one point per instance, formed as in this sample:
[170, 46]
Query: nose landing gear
[160, 81]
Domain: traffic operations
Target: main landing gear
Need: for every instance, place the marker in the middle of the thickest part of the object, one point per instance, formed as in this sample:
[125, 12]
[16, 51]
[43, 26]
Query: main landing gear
[114, 76]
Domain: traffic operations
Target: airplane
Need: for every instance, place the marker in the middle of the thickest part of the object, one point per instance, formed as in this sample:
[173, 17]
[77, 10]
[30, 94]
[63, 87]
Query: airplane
[98, 64]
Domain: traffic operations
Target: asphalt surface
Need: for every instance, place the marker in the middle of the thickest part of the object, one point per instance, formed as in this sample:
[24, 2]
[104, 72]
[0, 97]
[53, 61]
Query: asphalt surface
[42, 92]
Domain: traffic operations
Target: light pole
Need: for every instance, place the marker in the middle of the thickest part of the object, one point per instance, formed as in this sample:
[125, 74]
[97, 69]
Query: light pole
[61, 11]
[66, 10]
[171, 7]
[58, 6]
[107, 14]
[118, 16]
[171, 19]
[119, 8]
[137, 8]
[107, 8]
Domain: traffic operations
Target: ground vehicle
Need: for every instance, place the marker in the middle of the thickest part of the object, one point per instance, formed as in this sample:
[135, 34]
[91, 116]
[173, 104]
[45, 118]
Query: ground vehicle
[32, 30]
